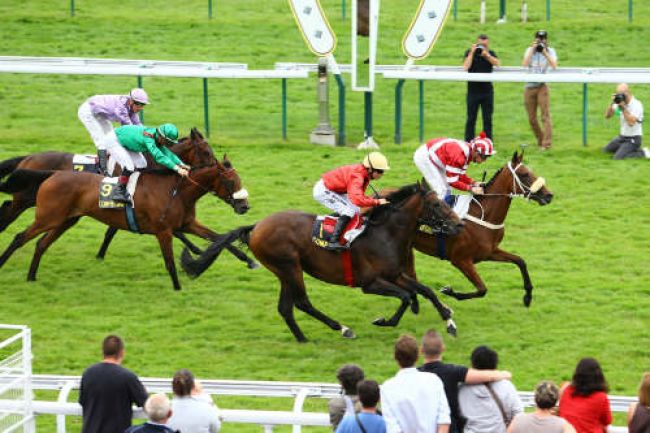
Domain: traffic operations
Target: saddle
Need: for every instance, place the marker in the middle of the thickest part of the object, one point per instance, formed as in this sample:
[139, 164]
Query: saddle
[107, 188]
[324, 226]
[89, 163]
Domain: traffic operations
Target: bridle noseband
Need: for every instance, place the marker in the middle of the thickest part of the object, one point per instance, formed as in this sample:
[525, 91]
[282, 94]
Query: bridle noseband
[225, 174]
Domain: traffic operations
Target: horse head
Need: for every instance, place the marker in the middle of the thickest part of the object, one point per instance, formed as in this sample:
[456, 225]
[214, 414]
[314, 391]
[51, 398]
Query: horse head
[194, 150]
[526, 183]
[227, 186]
[437, 214]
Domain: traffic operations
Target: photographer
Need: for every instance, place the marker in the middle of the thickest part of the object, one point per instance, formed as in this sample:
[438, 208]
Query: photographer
[538, 58]
[479, 58]
[630, 111]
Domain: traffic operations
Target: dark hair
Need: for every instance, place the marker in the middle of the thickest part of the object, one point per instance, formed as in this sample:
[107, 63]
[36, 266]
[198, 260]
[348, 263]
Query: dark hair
[546, 395]
[483, 36]
[644, 390]
[349, 375]
[484, 358]
[183, 382]
[588, 378]
[112, 346]
[406, 351]
[542, 34]
[368, 391]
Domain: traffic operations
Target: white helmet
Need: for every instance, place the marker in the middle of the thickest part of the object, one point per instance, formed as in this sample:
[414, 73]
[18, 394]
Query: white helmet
[376, 161]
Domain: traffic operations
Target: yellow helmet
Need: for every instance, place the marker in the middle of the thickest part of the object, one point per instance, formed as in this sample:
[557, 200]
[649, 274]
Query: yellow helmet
[376, 161]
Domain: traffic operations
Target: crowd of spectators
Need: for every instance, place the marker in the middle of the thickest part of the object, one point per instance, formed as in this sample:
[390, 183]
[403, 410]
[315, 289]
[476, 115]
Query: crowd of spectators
[435, 397]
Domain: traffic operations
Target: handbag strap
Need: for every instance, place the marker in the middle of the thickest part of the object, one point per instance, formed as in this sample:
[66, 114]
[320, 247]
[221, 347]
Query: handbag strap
[363, 430]
[498, 402]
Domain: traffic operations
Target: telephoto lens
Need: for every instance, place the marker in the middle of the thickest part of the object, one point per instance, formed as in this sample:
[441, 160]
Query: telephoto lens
[540, 47]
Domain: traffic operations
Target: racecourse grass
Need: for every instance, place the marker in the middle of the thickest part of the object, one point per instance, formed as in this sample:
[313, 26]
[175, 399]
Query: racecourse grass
[587, 252]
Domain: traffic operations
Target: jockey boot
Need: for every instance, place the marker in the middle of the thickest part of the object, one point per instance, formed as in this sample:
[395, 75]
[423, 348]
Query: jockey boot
[341, 223]
[103, 161]
[120, 194]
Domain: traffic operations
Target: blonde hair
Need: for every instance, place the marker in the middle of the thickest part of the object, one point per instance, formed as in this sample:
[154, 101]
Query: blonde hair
[432, 344]
[158, 407]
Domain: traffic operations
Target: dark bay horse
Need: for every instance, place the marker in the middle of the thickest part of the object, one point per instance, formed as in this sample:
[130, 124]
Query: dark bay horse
[189, 149]
[65, 196]
[283, 243]
[484, 229]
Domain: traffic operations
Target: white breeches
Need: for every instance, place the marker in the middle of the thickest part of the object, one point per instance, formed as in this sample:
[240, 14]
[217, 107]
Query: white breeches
[435, 177]
[97, 126]
[127, 159]
[337, 202]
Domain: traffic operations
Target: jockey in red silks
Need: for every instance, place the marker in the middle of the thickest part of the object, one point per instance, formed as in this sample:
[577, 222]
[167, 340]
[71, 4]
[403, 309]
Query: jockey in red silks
[343, 190]
[443, 162]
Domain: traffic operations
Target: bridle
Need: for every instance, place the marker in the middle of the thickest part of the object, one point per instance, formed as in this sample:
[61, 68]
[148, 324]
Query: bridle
[433, 221]
[226, 174]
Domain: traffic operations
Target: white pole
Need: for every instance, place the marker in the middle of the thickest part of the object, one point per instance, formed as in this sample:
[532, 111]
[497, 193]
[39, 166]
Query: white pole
[524, 12]
[482, 11]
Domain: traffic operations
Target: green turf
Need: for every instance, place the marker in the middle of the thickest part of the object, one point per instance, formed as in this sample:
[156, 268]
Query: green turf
[587, 251]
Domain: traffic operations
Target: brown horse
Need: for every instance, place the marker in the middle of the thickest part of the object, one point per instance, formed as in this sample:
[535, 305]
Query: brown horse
[283, 243]
[189, 149]
[484, 229]
[65, 196]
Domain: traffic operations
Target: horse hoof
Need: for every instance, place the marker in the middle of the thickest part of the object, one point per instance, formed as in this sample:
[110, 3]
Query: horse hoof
[381, 321]
[415, 305]
[253, 265]
[527, 300]
[447, 290]
[451, 328]
[347, 332]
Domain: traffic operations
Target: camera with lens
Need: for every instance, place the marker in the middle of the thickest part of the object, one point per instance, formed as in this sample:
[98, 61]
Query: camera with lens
[619, 97]
[540, 47]
[479, 49]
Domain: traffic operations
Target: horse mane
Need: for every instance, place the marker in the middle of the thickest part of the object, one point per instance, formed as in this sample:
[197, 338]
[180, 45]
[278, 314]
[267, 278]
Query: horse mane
[494, 177]
[395, 198]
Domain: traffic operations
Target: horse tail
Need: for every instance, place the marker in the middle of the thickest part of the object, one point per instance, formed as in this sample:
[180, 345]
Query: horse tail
[195, 267]
[23, 180]
[9, 165]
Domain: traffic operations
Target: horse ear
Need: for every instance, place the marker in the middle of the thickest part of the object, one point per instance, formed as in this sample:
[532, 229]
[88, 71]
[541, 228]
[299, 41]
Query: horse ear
[515, 157]
[193, 132]
[225, 157]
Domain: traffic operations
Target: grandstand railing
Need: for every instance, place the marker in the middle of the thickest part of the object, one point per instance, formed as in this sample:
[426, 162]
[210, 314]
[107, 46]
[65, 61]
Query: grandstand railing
[15, 379]
[299, 391]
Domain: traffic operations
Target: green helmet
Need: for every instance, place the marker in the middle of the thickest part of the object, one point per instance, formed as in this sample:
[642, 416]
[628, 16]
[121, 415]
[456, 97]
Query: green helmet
[169, 132]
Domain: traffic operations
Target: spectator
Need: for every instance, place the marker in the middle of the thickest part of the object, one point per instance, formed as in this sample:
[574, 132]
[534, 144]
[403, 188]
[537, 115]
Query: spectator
[413, 401]
[630, 111]
[349, 375]
[159, 411]
[538, 58]
[584, 402]
[108, 390]
[368, 421]
[488, 407]
[479, 58]
[638, 415]
[193, 411]
[542, 420]
[451, 375]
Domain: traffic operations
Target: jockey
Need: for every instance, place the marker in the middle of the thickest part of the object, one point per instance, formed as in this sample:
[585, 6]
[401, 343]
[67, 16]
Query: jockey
[127, 143]
[343, 190]
[98, 111]
[443, 163]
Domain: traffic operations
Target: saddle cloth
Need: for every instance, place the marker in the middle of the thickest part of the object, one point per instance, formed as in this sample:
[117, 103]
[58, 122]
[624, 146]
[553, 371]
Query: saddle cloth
[90, 163]
[107, 187]
[324, 226]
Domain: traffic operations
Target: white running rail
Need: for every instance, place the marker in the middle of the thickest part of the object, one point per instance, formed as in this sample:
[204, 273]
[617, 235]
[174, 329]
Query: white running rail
[15, 379]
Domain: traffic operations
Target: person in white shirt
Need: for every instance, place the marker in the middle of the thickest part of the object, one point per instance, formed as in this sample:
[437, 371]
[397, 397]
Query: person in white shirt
[538, 58]
[630, 111]
[413, 401]
[193, 411]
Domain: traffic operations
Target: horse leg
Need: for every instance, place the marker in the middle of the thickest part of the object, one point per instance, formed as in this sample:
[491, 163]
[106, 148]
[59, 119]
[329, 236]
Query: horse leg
[198, 229]
[410, 271]
[468, 269]
[21, 239]
[108, 238]
[165, 240]
[411, 284]
[285, 308]
[43, 244]
[12, 209]
[190, 246]
[503, 256]
[382, 287]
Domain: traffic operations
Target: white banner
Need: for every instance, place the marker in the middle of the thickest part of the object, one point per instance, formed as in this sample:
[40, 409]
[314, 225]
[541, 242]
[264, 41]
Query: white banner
[313, 24]
[425, 28]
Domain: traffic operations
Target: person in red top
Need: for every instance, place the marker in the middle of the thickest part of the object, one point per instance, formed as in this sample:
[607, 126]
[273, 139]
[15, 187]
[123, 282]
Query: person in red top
[443, 162]
[584, 402]
[343, 190]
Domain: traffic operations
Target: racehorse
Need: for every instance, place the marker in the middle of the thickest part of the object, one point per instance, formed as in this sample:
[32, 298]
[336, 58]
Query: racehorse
[188, 149]
[65, 196]
[378, 258]
[484, 230]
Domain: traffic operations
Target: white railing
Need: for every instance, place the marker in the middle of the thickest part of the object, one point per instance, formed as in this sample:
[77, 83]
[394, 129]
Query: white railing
[299, 391]
[15, 379]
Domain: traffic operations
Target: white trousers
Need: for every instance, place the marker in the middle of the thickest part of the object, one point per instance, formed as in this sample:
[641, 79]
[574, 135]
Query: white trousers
[97, 126]
[337, 202]
[127, 159]
[435, 177]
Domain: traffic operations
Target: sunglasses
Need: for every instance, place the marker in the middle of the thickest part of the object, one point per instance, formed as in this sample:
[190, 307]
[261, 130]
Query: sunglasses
[378, 171]
[139, 104]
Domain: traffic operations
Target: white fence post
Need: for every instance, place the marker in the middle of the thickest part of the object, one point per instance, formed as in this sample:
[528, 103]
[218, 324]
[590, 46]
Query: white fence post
[16, 380]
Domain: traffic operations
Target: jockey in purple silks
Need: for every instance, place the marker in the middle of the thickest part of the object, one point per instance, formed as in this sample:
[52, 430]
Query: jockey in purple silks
[98, 112]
